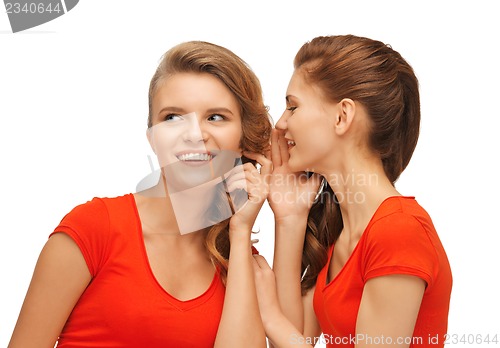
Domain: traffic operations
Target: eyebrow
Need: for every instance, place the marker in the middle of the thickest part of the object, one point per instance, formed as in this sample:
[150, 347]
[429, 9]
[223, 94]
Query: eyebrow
[172, 109]
[183, 112]
[224, 110]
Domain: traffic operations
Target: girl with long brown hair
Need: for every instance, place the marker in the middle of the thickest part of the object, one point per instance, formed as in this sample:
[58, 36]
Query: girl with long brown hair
[358, 261]
[126, 271]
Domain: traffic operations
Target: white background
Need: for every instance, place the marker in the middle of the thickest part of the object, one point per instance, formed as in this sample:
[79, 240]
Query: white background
[73, 108]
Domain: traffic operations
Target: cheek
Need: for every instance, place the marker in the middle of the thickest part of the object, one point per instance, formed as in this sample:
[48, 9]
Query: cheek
[313, 139]
[164, 141]
[163, 144]
[230, 138]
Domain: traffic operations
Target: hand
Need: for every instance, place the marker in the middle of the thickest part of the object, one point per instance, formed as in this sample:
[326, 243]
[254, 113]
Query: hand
[267, 295]
[291, 194]
[257, 187]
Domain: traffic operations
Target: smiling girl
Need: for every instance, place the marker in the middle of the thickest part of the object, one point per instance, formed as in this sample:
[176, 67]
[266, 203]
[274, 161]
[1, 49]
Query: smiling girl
[119, 272]
[361, 263]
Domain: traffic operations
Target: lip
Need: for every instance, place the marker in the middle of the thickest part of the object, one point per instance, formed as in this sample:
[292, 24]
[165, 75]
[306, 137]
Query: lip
[290, 143]
[195, 158]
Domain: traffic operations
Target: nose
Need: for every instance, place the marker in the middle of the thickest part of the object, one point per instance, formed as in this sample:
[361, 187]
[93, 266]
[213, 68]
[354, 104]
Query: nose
[194, 132]
[282, 122]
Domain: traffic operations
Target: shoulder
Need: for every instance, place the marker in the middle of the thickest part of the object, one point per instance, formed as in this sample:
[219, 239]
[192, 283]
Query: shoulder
[96, 212]
[399, 241]
[400, 218]
[90, 225]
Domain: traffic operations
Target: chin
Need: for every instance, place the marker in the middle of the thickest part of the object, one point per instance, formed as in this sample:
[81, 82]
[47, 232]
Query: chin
[180, 179]
[296, 166]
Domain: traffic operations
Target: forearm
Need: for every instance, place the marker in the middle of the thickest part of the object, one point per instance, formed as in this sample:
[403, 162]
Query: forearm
[283, 334]
[287, 268]
[241, 324]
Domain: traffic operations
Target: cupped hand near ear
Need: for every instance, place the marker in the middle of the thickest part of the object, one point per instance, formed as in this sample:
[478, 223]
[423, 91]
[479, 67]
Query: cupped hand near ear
[290, 194]
[256, 184]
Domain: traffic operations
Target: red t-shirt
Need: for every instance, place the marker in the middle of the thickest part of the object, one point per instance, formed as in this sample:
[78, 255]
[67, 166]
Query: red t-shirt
[399, 239]
[124, 305]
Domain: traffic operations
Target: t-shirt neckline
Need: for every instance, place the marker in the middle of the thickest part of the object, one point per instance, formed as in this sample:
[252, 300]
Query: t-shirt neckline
[326, 284]
[181, 304]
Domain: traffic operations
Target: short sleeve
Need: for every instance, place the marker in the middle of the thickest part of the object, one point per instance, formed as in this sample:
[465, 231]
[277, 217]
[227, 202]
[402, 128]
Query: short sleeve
[88, 225]
[399, 244]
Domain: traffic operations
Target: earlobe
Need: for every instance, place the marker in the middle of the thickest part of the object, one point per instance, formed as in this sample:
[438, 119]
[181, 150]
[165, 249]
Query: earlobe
[345, 116]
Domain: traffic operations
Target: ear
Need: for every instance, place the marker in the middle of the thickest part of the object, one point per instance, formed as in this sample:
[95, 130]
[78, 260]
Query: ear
[149, 135]
[345, 116]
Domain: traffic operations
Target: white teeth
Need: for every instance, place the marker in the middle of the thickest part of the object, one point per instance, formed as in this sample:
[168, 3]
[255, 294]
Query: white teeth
[291, 142]
[195, 157]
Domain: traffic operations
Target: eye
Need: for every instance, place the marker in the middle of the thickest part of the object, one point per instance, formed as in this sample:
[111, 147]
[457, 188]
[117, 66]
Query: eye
[216, 118]
[291, 108]
[173, 118]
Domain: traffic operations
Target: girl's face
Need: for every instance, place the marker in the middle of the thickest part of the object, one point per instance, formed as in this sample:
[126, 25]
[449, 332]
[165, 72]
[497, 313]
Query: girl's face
[196, 129]
[308, 125]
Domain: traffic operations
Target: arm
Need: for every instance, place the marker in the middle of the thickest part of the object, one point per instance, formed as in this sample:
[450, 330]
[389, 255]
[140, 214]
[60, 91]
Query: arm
[389, 308]
[291, 197]
[289, 241]
[60, 277]
[279, 329]
[312, 330]
[241, 324]
[387, 313]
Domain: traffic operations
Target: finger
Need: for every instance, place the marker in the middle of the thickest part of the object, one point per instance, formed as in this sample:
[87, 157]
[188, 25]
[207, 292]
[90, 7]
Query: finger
[261, 262]
[265, 163]
[255, 264]
[275, 148]
[237, 185]
[235, 175]
[267, 153]
[247, 169]
[283, 144]
[251, 173]
[235, 179]
[266, 168]
[246, 180]
[235, 170]
[260, 158]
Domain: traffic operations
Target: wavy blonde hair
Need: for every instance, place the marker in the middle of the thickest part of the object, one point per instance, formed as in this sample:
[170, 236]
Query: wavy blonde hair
[237, 76]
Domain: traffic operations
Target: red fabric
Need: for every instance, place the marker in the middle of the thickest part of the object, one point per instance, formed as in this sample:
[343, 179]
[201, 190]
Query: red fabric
[400, 239]
[124, 305]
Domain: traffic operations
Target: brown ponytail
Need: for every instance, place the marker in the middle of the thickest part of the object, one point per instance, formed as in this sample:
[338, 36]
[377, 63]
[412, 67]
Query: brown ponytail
[373, 74]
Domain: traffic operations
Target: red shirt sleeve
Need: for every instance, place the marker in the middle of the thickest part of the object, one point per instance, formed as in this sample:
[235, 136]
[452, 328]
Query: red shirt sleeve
[88, 225]
[254, 251]
[398, 244]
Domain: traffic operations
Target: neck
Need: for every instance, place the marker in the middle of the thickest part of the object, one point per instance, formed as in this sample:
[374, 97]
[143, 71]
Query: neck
[183, 211]
[360, 188]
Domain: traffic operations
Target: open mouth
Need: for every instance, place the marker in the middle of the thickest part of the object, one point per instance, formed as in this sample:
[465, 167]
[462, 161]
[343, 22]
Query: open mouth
[195, 158]
[290, 143]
